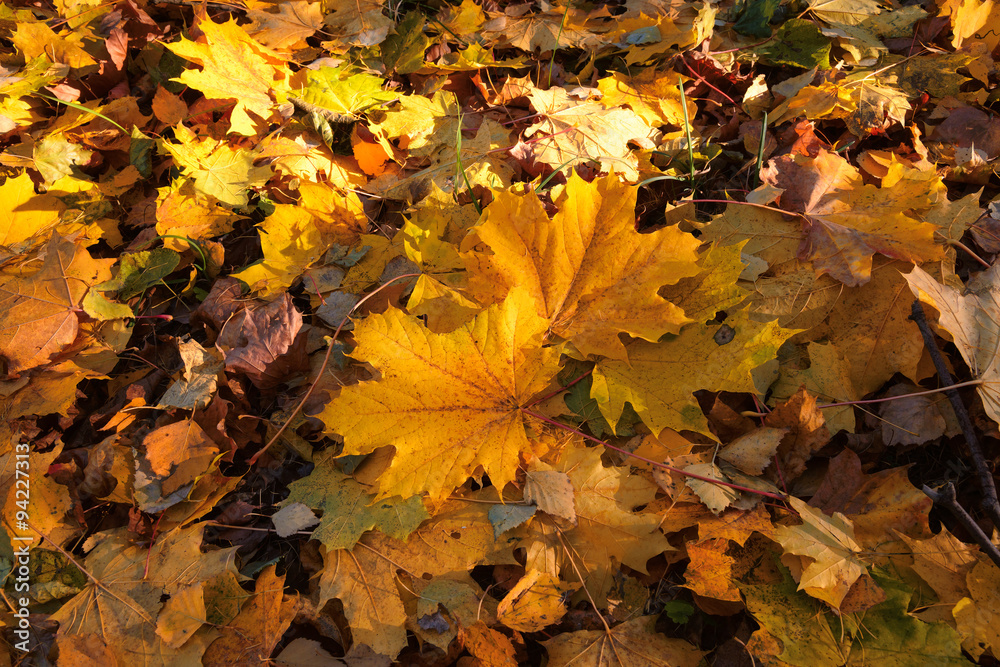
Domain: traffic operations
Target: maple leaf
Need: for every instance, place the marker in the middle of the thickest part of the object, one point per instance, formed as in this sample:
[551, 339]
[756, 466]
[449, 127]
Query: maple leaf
[126, 590]
[634, 643]
[256, 630]
[422, 124]
[799, 631]
[23, 214]
[534, 603]
[543, 31]
[590, 273]
[264, 343]
[606, 531]
[35, 39]
[944, 562]
[234, 66]
[448, 546]
[51, 502]
[291, 242]
[653, 96]
[182, 212]
[976, 615]
[201, 370]
[217, 169]
[38, 309]
[359, 23]
[710, 572]
[447, 402]
[576, 132]
[178, 453]
[342, 90]
[847, 220]
[829, 544]
[973, 320]
[348, 511]
[713, 357]
[878, 504]
[292, 23]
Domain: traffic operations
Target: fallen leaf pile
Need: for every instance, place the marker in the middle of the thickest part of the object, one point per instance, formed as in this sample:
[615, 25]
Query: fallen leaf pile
[496, 332]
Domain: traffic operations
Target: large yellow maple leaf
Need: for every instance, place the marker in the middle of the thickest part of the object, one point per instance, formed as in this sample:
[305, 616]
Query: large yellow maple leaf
[447, 402]
[234, 66]
[591, 274]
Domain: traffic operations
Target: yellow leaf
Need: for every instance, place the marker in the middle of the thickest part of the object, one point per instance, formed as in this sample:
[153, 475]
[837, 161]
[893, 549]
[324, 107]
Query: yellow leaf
[576, 132]
[943, 561]
[422, 124]
[357, 23]
[290, 25]
[131, 581]
[448, 403]
[447, 546]
[713, 357]
[217, 169]
[978, 616]
[182, 615]
[487, 645]
[829, 545]
[24, 214]
[607, 531]
[180, 212]
[339, 216]
[710, 572]
[257, 629]
[848, 221]
[291, 242]
[234, 66]
[590, 273]
[51, 504]
[534, 603]
[36, 39]
[178, 453]
[973, 320]
[653, 96]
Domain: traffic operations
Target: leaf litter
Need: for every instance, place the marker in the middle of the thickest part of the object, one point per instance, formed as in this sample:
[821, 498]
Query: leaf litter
[498, 332]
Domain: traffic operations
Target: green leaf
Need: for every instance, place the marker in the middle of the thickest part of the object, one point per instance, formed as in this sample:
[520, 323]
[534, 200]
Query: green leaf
[506, 517]
[340, 91]
[798, 43]
[139, 271]
[756, 18]
[140, 152]
[347, 508]
[404, 51]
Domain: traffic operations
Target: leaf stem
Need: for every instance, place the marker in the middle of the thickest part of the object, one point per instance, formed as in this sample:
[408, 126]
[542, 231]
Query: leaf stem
[687, 131]
[824, 406]
[560, 389]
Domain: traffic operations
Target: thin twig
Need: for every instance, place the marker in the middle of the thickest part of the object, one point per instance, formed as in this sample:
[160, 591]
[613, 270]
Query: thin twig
[986, 482]
[946, 498]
